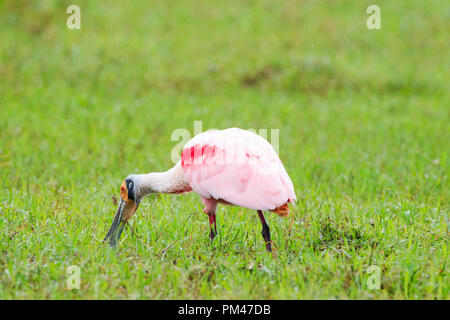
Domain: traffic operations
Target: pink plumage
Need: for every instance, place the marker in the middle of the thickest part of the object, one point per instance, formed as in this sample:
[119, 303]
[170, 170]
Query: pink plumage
[238, 167]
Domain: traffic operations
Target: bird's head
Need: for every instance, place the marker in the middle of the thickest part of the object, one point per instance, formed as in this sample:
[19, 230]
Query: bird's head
[130, 197]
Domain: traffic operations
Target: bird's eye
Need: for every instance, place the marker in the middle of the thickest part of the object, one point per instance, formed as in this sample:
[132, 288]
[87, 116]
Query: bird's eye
[130, 186]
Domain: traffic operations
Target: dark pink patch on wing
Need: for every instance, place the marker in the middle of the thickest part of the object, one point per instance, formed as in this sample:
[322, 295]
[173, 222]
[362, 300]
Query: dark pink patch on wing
[198, 155]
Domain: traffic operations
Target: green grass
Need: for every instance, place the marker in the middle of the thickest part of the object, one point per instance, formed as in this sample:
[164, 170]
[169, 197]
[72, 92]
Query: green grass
[364, 134]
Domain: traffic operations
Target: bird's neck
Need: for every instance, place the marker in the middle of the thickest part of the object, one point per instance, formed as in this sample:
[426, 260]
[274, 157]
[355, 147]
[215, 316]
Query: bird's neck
[170, 181]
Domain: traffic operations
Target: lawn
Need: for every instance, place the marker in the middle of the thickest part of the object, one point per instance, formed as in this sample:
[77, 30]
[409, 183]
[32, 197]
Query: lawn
[363, 119]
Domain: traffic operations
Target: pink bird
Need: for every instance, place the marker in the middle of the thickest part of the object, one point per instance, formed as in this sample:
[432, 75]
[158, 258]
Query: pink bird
[231, 166]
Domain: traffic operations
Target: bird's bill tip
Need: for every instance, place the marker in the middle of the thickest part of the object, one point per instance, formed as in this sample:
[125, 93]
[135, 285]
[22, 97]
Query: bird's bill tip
[118, 224]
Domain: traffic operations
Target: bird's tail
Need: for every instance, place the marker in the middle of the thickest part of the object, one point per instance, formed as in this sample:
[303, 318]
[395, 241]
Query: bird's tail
[282, 211]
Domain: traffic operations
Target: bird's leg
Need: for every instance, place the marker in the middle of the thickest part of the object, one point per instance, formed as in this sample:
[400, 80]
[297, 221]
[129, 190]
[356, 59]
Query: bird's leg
[210, 210]
[212, 225]
[265, 231]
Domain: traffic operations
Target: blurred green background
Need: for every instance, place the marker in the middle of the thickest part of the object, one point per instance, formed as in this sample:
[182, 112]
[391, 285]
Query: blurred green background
[363, 118]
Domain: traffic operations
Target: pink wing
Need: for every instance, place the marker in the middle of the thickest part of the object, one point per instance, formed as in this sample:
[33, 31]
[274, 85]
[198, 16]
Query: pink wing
[237, 166]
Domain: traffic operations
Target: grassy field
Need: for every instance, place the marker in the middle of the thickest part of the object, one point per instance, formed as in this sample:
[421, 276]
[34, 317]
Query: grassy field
[364, 134]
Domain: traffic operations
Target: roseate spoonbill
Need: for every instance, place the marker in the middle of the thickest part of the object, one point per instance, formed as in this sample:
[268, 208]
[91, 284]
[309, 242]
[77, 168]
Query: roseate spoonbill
[231, 166]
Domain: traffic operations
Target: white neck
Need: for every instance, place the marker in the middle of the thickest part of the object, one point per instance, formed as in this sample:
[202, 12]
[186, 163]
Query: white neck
[170, 181]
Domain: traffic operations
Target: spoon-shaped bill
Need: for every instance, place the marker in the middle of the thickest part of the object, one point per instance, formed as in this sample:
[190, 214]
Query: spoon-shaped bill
[117, 225]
